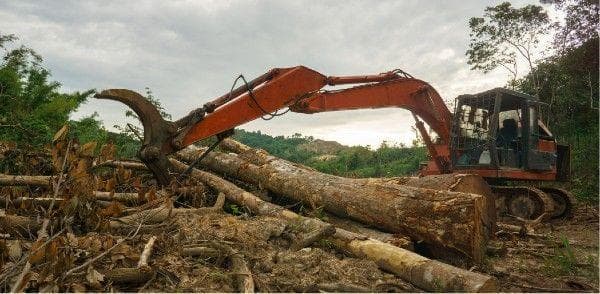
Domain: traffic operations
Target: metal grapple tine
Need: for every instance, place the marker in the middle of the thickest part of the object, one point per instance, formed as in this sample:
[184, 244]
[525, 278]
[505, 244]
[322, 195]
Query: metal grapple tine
[157, 131]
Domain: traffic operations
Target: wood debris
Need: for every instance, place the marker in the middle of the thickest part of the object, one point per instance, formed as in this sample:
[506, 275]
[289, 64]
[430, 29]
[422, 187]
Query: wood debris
[96, 223]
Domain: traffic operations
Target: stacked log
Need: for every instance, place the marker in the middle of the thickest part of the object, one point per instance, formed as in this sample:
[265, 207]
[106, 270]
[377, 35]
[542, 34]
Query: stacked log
[425, 273]
[456, 222]
[373, 219]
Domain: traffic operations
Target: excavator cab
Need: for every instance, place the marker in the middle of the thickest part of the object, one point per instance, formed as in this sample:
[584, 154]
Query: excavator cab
[500, 129]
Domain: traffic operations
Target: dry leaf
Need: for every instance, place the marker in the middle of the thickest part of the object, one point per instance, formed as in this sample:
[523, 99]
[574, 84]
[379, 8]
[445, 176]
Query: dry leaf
[107, 152]
[99, 183]
[109, 242]
[151, 196]
[123, 174]
[94, 278]
[14, 249]
[137, 183]
[61, 134]
[87, 149]
[77, 288]
[72, 240]
[117, 257]
[127, 175]
[49, 288]
[52, 249]
[110, 184]
[112, 210]
[37, 256]
[95, 245]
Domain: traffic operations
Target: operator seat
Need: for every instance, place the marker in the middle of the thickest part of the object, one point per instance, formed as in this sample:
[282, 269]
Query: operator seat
[508, 152]
[508, 133]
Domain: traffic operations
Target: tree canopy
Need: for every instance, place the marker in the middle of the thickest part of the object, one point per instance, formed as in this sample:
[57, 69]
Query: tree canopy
[504, 34]
[31, 106]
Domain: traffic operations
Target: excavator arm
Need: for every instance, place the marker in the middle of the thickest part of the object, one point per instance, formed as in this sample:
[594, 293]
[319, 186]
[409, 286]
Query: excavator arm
[408, 93]
[298, 88]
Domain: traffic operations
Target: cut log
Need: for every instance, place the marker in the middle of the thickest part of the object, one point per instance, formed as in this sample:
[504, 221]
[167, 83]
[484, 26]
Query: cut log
[143, 262]
[313, 236]
[121, 197]
[422, 272]
[356, 227]
[129, 164]
[242, 274]
[446, 221]
[466, 183]
[130, 275]
[200, 251]
[18, 180]
[135, 198]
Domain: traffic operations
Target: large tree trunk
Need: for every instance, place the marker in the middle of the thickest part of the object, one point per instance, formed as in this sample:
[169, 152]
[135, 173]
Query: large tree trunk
[422, 272]
[446, 221]
[466, 183]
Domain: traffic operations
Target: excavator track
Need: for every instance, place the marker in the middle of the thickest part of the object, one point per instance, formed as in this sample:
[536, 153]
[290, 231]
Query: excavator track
[524, 202]
[563, 201]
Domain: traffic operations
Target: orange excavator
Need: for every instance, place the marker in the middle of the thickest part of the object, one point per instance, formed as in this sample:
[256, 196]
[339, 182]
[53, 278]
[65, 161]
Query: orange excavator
[496, 134]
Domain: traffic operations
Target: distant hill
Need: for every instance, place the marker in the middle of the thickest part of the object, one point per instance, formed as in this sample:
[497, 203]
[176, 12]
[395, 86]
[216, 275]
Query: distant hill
[334, 158]
[322, 147]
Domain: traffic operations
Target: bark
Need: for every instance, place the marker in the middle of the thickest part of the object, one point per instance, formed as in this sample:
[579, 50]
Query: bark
[121, 197]
[143, 262]
[130, 275]
[356, 227]
[16, 225]
[313, 236]
[19, 180]
[156, 215]
[200, 251]
[430, 275]
[126, 164]
[233, 146]
[420, 271]
[243, 276]
[134, 198]
[446, 221]
[466, 183]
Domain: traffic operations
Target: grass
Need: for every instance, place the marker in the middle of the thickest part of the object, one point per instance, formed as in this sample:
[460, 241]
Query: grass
[563, 262]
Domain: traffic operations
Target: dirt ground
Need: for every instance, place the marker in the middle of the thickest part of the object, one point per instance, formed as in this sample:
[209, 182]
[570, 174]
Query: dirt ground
[560, 256]
[563, 258]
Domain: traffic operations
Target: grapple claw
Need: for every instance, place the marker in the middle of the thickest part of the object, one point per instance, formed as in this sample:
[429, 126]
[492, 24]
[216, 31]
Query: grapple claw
[157, 131]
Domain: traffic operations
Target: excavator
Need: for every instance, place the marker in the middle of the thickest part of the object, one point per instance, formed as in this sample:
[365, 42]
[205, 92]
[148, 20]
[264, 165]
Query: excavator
[497, 134]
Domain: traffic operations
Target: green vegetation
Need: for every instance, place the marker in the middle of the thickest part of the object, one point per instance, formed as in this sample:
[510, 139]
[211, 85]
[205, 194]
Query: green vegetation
[564, 262]
[32, 108]
[356, 161]
[504, 35]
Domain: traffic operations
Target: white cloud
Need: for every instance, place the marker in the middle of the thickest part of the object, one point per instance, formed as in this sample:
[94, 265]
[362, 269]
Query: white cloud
[189, 52]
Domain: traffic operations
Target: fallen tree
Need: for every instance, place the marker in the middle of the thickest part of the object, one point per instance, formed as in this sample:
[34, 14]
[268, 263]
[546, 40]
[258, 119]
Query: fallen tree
[466, 183]
[425, 273]
[444, 220]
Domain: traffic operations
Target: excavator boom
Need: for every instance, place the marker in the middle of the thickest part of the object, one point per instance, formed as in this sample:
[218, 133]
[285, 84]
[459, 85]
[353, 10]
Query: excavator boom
[299, 88]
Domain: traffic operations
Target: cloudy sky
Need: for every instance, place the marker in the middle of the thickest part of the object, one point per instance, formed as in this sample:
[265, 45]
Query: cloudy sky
[189, 52]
